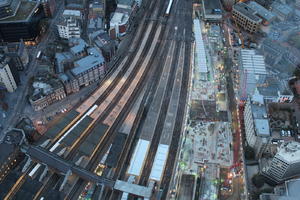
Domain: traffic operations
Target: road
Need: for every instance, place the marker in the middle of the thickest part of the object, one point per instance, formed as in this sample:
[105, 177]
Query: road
[31, 70]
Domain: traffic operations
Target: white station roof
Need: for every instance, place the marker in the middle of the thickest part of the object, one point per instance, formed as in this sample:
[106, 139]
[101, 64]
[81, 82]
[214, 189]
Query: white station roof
[138, 157]
[200, 50]
[159, 162]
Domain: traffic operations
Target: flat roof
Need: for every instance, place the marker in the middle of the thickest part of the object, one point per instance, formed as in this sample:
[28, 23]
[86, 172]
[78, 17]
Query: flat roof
[201, 59]
[77, 131]
[58, 127]
[125, 2]
[289, 152]
[25, 10]
[116, 149]
[282, 8]
[89, 144]
[261, 11]
[75, 13]
[119, 18]
[292, 187]
[133, 188]
[211, 5]
[159, 162]
[139, 155]
[246, 11]
[262, 127]
[6, 150]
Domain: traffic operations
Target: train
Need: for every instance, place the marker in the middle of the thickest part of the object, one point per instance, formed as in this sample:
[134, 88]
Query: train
[167, 13]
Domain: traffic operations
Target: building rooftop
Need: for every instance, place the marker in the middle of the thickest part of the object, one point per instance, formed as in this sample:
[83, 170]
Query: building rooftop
[211, 6]
[247, 11]
[125, 2]
[262, 127]
[282, 8]
[5, 2]
[292, 188]
[119, 18]
[252, 62]
[60, 59]
[75, 13]
[25, 10]
[79, 46]
[93, 59]
[261, 11]
[289, 151]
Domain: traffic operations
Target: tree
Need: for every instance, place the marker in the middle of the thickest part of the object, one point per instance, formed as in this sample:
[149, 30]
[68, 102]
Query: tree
[4, 106]
[258, 180]
[249, 153]
[2, 95]
[297, 71]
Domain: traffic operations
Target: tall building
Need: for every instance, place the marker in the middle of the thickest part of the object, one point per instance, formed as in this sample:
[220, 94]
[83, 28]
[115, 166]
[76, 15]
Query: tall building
[212, 10]
[49, 7]
[252, 71]
[288, 191]
[285, 164]
[256, 124]
[69, 27]
[246, 17]
[9, 149]
[8, 8]
[8, 74]
[24, 24]
[18, 52]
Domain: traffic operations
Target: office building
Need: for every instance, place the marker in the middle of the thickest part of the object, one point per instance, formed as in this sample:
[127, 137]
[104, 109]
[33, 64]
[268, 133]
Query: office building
[246, 17]
[18, 52]
[285, 164]
[49, 7]
[8, 8]
[118, 25]
[256, 124]
[69, 27]
[212, 10]
[9, 149]
[24, 24]
[9, 77]
[288, 191]
[252, 72]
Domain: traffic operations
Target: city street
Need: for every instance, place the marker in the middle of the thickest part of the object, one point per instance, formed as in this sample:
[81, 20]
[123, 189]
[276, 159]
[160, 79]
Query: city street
[22, 91]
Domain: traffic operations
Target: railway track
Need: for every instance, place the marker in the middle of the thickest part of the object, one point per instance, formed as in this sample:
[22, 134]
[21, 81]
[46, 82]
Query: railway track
[101, 94]
[120, 95]
[166, 97]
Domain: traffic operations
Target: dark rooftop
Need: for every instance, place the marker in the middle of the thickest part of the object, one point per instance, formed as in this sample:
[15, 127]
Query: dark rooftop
[247, 11]
[25, 10]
